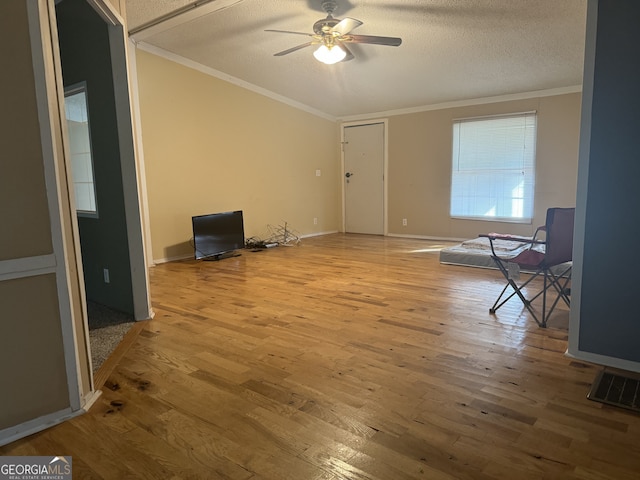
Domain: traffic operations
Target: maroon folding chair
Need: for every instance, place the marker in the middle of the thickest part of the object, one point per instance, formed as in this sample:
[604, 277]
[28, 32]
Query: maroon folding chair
[553, 263]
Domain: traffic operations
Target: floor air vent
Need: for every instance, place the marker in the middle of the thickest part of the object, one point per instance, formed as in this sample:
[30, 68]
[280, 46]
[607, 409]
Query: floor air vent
[616, 389]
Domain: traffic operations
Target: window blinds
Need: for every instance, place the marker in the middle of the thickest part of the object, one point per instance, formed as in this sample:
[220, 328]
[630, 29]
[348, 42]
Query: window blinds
[493, 167]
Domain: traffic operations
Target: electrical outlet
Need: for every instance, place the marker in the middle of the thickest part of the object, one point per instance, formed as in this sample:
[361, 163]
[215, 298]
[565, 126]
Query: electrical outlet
[315, 221]
[106, 275]
[404, 222]
[318, 173]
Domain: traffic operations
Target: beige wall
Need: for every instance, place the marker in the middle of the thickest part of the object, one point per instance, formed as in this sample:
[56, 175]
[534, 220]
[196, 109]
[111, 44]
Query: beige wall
[22, 184]
[33, 374]
[119, 5]
[420, 147]
[211, 146]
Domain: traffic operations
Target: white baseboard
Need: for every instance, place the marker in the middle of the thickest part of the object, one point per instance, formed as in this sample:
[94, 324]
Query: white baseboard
[428, 237]
[605, 361]
[90, 399]
[157, 261]
[36, 425]
[318, 234]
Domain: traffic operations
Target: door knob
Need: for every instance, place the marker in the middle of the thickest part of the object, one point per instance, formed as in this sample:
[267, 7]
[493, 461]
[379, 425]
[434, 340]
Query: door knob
[348, 174]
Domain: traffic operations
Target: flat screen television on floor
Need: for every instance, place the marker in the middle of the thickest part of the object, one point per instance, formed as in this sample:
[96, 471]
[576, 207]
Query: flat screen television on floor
[217, 235]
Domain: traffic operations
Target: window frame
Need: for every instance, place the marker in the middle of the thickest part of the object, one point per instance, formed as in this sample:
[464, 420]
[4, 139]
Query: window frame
[69, 91]
[528, 158]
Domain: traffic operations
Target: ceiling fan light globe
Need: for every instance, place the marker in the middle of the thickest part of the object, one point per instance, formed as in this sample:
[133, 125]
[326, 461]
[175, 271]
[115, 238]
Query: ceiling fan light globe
[329, 55]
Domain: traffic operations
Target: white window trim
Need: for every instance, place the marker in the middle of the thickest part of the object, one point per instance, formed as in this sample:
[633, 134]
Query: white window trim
[526, 219]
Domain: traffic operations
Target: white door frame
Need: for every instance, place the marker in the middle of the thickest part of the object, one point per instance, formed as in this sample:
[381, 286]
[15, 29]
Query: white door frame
[50, 94]
[361, 123]
[135, 201]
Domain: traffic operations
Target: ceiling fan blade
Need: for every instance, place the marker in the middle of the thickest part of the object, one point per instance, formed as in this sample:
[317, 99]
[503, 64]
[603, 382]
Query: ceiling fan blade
[346, 25]
[295, 33]
[390, 41]
[293, 49]
[349, 54]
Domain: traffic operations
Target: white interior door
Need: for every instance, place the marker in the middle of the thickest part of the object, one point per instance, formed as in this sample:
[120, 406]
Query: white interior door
[364, 178]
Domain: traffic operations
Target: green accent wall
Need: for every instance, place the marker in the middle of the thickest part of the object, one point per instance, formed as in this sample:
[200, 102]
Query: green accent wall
[609, 323]
[86, 57]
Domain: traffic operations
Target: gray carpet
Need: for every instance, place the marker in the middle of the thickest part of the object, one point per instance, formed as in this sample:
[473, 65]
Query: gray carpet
[107, 328]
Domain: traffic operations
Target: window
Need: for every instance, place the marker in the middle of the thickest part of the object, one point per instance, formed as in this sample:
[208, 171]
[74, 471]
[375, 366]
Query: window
[493, 168]
[75, 106]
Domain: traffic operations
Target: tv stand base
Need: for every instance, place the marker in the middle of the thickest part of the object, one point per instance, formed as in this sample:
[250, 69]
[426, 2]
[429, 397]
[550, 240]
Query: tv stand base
[222, 256]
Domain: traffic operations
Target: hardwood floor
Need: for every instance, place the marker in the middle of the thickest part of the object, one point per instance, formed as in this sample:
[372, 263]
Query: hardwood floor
[346, 357]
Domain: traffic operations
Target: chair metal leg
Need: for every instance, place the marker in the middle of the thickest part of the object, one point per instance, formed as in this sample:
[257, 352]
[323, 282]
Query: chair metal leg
[561, 290]
[544, 300]
[517, 290]
[549, 280]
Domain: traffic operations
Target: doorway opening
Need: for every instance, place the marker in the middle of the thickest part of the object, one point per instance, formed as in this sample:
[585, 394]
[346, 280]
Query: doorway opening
[103, 173]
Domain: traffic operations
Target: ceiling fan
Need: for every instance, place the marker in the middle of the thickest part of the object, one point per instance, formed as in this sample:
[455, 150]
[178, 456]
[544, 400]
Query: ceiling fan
[332, 34]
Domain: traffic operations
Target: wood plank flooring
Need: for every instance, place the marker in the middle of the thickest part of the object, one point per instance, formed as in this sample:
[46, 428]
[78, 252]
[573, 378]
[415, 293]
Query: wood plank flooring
[345, 357]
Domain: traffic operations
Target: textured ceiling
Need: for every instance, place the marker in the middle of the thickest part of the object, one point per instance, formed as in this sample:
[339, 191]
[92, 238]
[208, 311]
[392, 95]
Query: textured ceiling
[452, 50]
